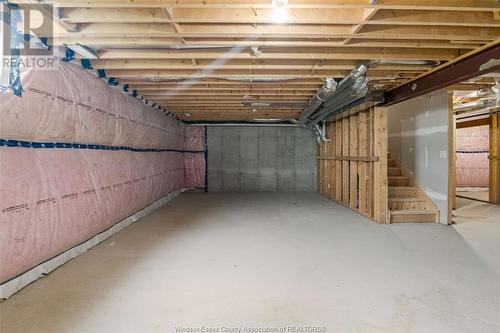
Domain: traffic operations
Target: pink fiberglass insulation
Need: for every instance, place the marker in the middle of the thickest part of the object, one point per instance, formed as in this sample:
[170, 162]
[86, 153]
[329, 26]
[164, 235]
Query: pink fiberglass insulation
[194, 163]
[70, 104]
[194, 138]
[55, 198]
[194, 170]
[472, 145]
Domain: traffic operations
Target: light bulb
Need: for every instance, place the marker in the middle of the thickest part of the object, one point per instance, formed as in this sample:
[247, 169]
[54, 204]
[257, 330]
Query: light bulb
[280, 14]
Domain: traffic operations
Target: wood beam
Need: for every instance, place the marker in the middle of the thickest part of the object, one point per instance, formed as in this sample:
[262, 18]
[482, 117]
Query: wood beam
[284, 53]
[158, 42]
[452, 5]
[248, 64]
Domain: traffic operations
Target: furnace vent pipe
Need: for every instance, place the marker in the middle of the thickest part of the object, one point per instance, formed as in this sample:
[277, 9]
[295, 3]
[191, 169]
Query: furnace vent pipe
[326, 91]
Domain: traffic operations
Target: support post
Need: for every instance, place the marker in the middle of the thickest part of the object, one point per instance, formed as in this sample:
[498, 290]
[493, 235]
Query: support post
[452, 156]
[381, 190]
[495, 158]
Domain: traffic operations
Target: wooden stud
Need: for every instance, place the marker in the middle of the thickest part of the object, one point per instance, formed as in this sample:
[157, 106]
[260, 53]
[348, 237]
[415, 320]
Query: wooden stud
[345, 164]
[381, 193]
[353, 165]
[494, 183]
[363, 169]
[452, 166]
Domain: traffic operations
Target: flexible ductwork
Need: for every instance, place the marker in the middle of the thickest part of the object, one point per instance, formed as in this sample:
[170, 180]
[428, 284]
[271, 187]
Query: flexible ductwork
[332, 98]
[406, 62]
[323, 93]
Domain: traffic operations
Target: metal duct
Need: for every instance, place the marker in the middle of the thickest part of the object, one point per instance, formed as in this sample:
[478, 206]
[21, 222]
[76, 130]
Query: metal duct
[334, 97]
[326, 91]
[406, 62]
[328, 112]
[334, 92]
[356, 91]
[257, 79]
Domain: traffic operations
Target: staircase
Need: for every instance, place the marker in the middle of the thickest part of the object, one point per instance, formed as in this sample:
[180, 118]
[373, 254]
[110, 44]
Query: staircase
[407, 202]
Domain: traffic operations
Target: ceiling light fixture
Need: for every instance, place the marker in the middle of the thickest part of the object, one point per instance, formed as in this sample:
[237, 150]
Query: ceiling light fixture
[280, 13]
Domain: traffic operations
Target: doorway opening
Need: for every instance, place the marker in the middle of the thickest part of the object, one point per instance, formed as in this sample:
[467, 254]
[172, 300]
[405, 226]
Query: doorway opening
[476, 105]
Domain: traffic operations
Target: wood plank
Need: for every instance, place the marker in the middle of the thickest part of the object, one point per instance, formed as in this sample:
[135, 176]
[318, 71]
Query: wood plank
[452, 166]
[284, 53]
[370, 184]
[450, 5]
[363, 167]
[345, 164]
[353, 165]
[331, 163]
[338, 163]
[380, 198]
[349, 158]
[494, 182]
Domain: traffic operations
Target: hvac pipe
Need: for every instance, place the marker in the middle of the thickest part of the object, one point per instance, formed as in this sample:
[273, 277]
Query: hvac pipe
[323, 93]
[245, 124]
[328, 112]
[358, 86]
[345, 98]
[331, 90]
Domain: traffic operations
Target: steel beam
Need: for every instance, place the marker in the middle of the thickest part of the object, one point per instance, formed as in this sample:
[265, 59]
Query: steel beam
[467, 67]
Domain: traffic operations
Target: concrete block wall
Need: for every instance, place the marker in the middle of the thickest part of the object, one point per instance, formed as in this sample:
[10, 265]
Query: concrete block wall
[266, 159]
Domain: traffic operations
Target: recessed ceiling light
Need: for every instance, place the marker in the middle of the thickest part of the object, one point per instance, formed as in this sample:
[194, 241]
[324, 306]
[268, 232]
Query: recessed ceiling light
[280, 3]
[280, 13]
[188, 114]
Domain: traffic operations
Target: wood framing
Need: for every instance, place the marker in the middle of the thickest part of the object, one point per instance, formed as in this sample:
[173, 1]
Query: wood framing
[494, 158]
[452, 157]
[193, 49]
[352, 166]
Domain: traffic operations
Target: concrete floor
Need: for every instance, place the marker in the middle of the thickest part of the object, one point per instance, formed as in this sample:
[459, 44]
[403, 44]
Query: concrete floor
[482, 194]
[267, 260]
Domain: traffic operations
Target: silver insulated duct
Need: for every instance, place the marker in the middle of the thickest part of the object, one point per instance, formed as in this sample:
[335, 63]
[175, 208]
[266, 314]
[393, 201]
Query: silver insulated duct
[352, 88]
[323, 93]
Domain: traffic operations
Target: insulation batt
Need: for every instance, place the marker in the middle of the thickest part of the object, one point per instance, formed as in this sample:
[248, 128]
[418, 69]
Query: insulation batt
[71, 105]
[53, 199]
[473, 167]
[194, 163]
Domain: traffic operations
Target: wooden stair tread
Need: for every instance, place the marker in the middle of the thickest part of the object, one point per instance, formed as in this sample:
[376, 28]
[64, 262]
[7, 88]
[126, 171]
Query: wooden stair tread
[415, 199]
[412, 212]
[403, 187]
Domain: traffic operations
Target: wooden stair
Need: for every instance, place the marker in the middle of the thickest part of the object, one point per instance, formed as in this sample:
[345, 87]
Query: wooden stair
[407, 202]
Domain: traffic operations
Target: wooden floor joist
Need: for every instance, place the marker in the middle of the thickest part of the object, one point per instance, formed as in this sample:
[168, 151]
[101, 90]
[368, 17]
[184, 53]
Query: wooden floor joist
[155, 45]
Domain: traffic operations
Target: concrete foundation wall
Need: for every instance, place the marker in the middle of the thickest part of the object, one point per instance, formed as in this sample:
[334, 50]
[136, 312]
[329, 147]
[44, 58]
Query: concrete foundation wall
[418, 136]
[275, 159]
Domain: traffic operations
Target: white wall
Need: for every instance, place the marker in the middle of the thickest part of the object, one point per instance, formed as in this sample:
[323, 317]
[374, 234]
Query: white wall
[418, 136]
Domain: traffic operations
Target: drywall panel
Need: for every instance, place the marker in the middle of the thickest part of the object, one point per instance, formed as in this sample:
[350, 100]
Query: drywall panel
[246, 159]
[418, 136]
